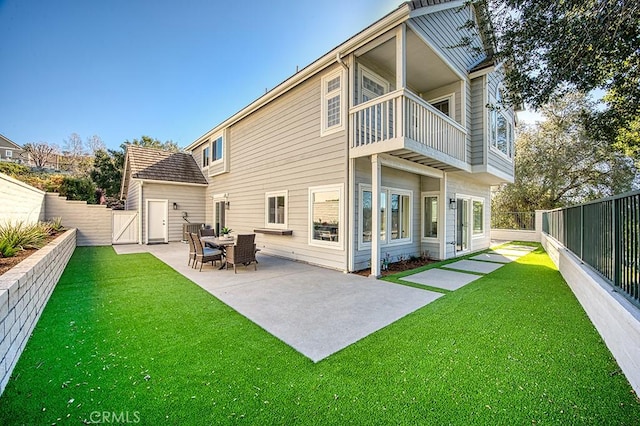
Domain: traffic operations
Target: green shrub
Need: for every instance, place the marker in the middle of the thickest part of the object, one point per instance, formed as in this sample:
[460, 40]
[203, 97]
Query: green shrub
[21, 235]
[7, 248]
[13, 169]
[81, 189]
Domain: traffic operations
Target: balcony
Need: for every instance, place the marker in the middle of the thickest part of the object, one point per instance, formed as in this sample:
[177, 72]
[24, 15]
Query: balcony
[404, 125]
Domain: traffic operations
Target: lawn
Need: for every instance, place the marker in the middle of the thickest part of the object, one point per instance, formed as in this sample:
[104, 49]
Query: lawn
[127, 338]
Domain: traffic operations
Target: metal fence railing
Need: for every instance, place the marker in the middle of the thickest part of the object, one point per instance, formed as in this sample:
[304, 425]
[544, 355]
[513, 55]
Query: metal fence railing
[605, 234]
[513, 220]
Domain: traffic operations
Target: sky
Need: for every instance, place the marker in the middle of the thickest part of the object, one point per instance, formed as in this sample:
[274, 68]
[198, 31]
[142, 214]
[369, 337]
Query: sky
[171, 70]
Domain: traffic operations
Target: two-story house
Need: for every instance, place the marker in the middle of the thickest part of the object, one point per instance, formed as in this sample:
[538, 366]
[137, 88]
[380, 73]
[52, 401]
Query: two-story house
[11, 151]
[386, 146]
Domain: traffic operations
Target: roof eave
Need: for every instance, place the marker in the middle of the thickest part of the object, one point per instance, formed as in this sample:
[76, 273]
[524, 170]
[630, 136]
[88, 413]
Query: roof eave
[392, 19]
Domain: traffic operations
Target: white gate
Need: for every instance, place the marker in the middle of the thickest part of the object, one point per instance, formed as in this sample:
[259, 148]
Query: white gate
[125, 227]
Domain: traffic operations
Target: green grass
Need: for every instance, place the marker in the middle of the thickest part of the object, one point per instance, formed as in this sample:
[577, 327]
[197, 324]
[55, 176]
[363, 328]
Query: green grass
[127, 334]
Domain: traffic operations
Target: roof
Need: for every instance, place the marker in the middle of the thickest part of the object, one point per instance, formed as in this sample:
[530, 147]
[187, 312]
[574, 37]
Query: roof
[401, 14]
[158, 165]
[9, 141]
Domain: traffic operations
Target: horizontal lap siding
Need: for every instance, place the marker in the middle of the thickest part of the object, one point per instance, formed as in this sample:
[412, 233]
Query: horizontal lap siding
[495, 158]
[444, 30]
[466, 185]
[279, 148]
[477, 105]
[190, 200]
[391, 178]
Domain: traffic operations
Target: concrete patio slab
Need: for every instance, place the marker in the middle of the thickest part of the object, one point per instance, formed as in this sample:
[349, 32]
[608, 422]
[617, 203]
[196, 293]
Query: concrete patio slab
[473, 266]
[494, 257]
[441, 278]
[314, 310]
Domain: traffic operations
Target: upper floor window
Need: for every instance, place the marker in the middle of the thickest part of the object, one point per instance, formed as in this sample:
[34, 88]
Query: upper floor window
[332, 104]
[217, 149]
[276, 208]
[8, 153]
[500, 128]
[206, 158]
[444, 104]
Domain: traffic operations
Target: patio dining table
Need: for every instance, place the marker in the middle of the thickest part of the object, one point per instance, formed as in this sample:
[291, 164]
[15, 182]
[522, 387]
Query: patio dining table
[220, 243]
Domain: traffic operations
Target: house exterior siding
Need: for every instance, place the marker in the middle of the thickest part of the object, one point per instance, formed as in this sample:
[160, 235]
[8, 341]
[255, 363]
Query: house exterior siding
[496, 159]
[477, 105]
[279, 148]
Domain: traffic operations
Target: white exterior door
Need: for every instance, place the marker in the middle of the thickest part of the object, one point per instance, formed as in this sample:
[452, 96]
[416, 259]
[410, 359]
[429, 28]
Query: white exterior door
[157, 218]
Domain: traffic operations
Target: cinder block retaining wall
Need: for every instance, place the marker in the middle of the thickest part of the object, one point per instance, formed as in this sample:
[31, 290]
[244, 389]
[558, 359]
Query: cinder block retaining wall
[615, 318]
[24, 291]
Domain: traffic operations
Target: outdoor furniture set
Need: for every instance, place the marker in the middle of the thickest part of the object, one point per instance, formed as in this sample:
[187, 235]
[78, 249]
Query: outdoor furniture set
[206, 247]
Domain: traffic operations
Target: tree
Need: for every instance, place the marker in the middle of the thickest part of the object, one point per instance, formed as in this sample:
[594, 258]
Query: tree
[107, 171]
[74, 154]
[41, 153]
[75, 188]
[95, 143]
[559, 163]
[150, 142]
[558, 47]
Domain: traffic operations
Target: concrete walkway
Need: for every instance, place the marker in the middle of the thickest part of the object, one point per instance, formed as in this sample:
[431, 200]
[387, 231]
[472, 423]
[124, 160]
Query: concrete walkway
[316, 311]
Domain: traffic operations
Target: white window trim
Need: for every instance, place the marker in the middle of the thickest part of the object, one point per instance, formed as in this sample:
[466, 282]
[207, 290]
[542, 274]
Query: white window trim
[212, 143]
[493, 137]
[8, 153]
[387, 242]
[451, 97]
[364, 71]
[272, 194]
[324, 96]
[204, 147]
[424, 195]
[484, 216]
[335, 245]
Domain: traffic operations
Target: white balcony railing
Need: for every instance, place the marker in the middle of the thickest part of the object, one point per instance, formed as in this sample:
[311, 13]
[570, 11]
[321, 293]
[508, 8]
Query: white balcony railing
[401, 114]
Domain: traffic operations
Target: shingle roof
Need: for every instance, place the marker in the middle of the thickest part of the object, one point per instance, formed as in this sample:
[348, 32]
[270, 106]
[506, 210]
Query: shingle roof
[155, 164]
[417, 4]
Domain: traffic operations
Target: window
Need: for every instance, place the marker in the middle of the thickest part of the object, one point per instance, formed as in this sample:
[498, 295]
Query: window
[430, 216]
[500, 128]
[219, 221]
[332, 103]
[398, 222]
[8, 153]
[205, 156]
[478, 217]
[444, 104]
[217, 149]
[325, 211]
[276, 209]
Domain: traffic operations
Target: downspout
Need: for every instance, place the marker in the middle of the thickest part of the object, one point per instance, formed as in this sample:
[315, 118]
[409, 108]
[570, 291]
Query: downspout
[348, 195]
[140, 192]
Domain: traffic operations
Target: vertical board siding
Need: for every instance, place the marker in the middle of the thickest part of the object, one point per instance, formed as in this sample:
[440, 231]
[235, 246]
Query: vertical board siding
[279, 148]
[20, 202]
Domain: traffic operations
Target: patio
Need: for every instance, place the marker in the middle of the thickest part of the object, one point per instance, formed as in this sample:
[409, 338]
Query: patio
[315, 310]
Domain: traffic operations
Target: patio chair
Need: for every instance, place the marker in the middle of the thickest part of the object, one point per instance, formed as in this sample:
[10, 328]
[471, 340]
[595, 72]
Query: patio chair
[204, 254]
[192, 249]
[207, 232]
[243, 252]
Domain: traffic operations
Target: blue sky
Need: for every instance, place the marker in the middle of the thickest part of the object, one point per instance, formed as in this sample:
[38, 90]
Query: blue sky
[168, 69]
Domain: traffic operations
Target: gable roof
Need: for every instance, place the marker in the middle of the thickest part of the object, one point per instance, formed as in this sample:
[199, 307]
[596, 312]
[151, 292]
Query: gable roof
[151, 164]
[9, 142]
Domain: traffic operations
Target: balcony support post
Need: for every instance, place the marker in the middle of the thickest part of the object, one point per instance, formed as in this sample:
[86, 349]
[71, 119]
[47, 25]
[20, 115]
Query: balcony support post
[376, 182]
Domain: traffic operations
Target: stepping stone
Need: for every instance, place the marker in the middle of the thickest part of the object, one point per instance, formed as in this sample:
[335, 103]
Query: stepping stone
[441, 278]
[517, 247]
[473, 266]
[511, 253]
[494, 257]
